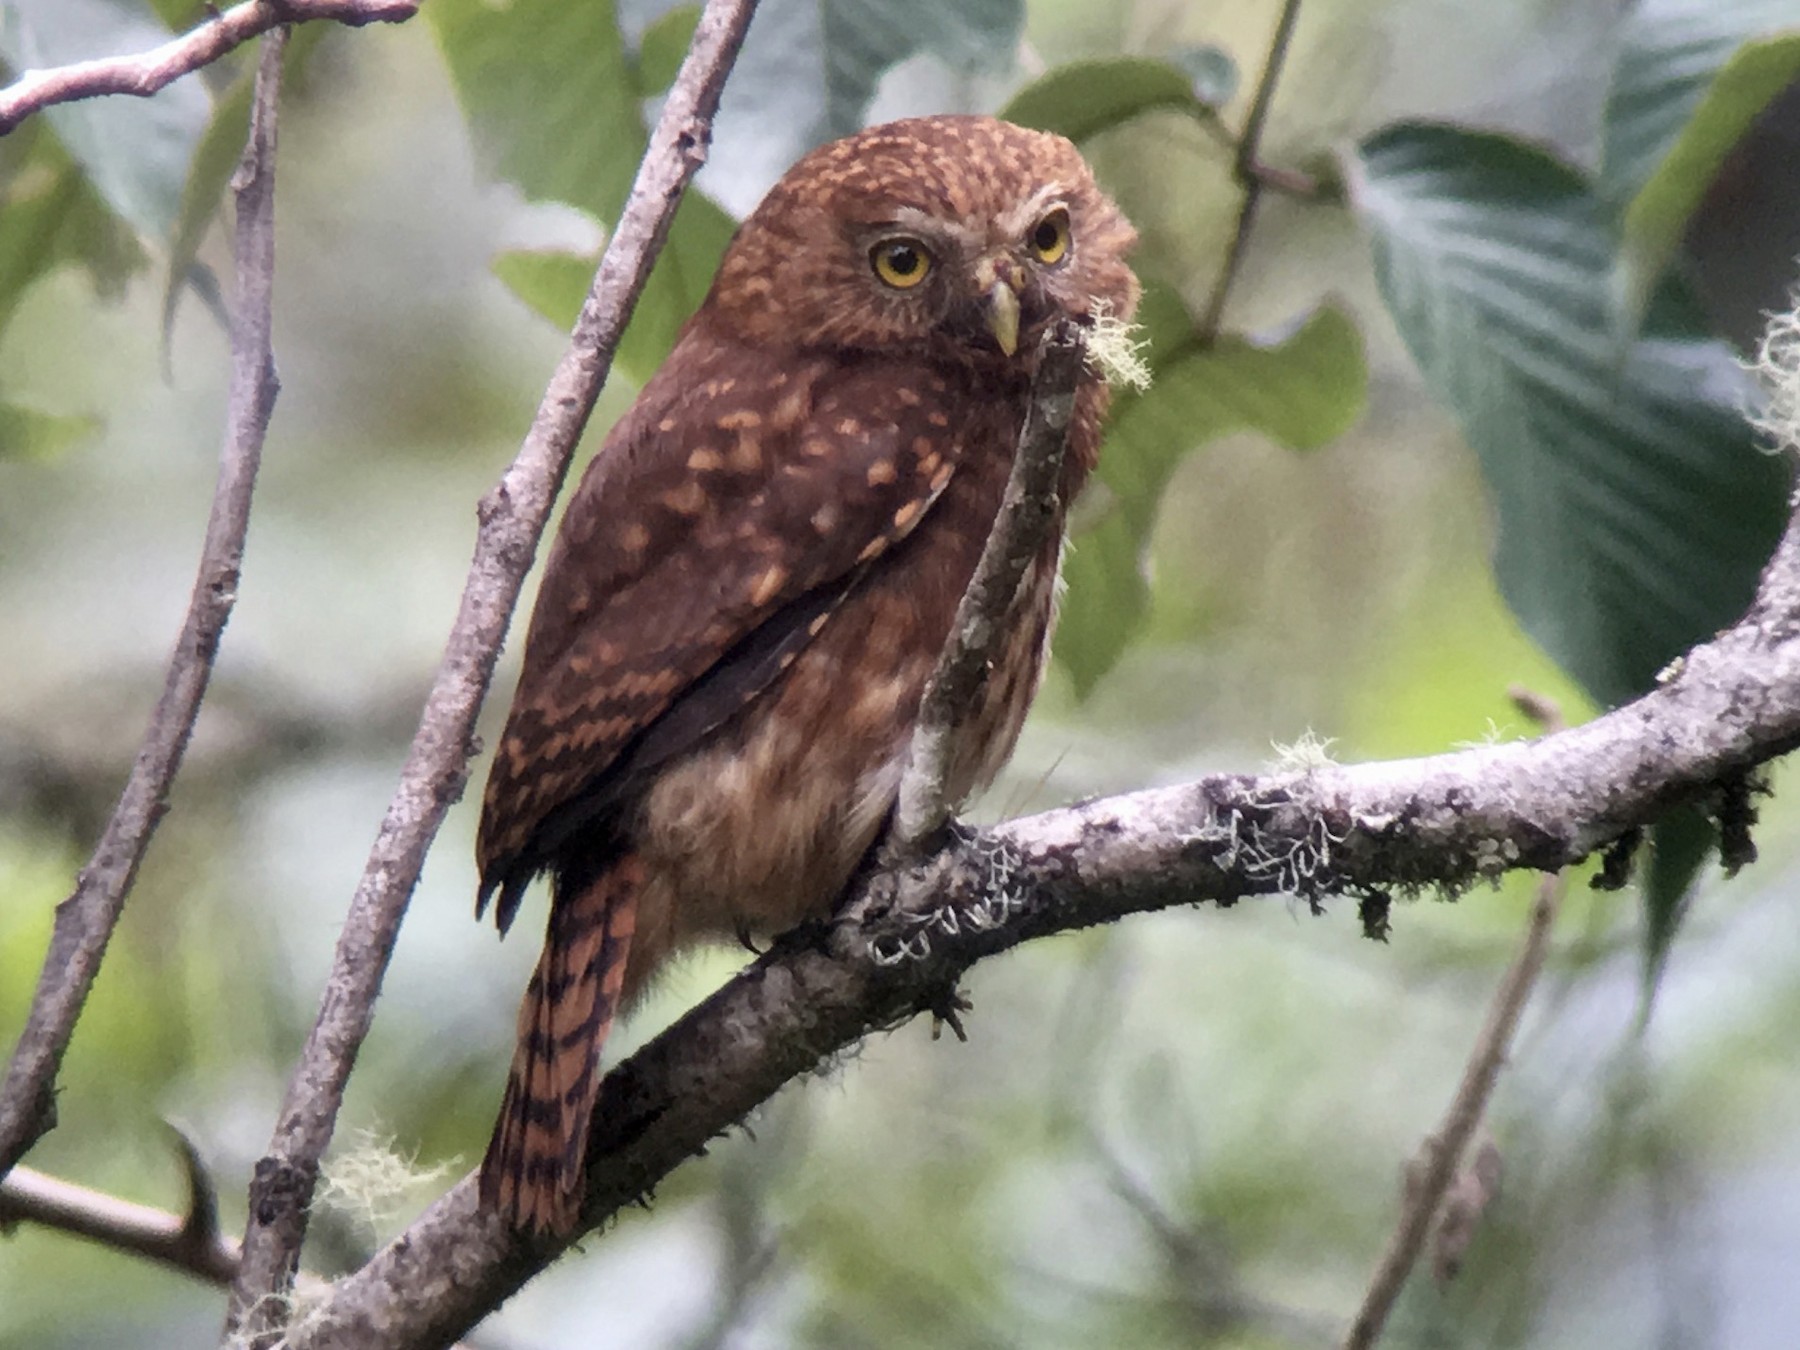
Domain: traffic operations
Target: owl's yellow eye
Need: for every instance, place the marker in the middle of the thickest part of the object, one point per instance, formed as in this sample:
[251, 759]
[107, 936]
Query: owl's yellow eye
[901, 263]
[1050, 237]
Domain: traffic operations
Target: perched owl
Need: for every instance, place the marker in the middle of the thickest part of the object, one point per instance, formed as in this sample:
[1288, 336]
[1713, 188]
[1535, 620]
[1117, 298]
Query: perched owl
[753, 582]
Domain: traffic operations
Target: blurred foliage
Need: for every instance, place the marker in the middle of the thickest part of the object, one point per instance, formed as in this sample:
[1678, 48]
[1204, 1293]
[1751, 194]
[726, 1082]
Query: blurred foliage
[1182, 1132]
[1301, 392]
[1756, 73]
[536, 79]
[1084, 98]
[1634, 508]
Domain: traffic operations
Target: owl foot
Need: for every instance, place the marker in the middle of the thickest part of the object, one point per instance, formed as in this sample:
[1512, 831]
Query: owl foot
[946, 1007]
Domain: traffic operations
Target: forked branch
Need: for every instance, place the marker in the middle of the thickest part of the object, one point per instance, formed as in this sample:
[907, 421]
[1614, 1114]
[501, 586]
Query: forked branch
[147, 72]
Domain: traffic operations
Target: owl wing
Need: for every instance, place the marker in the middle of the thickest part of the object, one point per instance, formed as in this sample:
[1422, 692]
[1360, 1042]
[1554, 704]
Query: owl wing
[710, 539]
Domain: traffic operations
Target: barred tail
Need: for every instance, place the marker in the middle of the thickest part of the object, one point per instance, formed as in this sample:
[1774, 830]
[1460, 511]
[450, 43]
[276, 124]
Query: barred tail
[532, 1174]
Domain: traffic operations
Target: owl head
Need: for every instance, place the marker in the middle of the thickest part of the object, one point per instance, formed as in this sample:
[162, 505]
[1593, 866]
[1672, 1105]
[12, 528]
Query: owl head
[954, 238]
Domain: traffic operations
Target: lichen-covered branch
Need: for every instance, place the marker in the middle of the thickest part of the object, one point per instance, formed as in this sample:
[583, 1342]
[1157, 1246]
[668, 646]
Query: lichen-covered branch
[85, 921]
[1368, 830]
[513, 516]
[147, 72]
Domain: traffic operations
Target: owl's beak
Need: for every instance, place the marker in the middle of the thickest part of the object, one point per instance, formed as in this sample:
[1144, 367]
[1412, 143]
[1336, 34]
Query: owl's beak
[997, 280]
[1002, 313]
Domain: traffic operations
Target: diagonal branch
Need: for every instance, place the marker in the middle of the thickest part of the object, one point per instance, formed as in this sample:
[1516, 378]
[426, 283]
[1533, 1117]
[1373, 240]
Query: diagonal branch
[1027, 515]
[908, 933]
[513, 516]
[85, 921]
[146, 73]
[1248, 169]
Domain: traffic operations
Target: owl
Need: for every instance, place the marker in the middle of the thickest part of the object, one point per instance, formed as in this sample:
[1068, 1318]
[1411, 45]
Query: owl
[751, 586]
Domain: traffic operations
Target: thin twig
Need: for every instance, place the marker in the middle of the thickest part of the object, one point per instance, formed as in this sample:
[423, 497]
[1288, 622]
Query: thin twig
[85, 921]
[1204, 1287]
[1248, 169]
[1439, 1159]
[148, 72]
[513, 516]
[190, 1243]
[1440, 1156]
[1027, 514]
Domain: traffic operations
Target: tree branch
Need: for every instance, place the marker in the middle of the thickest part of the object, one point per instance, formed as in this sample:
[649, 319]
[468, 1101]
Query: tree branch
[190, 1243]
[146, 73]
[512, 518]
[1027, 514]
[909, 933]
[1248, 169]
[1439, 1157]
[85, 921]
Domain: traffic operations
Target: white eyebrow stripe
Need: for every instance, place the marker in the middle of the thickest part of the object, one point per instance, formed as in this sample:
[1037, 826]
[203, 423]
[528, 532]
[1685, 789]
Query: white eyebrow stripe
[911, 220]
[1016, 221]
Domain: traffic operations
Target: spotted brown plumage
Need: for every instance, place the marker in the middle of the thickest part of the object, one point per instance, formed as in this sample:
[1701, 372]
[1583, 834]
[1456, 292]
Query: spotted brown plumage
[753, 581]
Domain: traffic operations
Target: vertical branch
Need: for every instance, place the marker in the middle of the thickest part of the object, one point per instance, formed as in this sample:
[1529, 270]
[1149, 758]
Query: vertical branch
[513, 516]
[1442, 1153]
[85, 921]
[1027, 513]
[1247, 169]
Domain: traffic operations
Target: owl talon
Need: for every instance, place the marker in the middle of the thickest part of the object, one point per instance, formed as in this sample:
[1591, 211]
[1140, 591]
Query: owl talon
[951, 836]
[946, 1008]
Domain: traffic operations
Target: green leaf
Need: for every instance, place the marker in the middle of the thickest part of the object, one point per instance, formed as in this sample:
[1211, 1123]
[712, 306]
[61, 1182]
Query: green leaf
[204, 192]
[555, 283]
[1679, 846]
[209, 174]
[1084, 98]
[49, 216]
[1670, 51]
[1211, 71]
[864, 39]
[550, 96]
[179, 15]
[551, 282]
[135, 152]
[26, 433]
[555, 106]
[1658, 215]
[1302, 391]
[664, 47]
[1634, 509]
